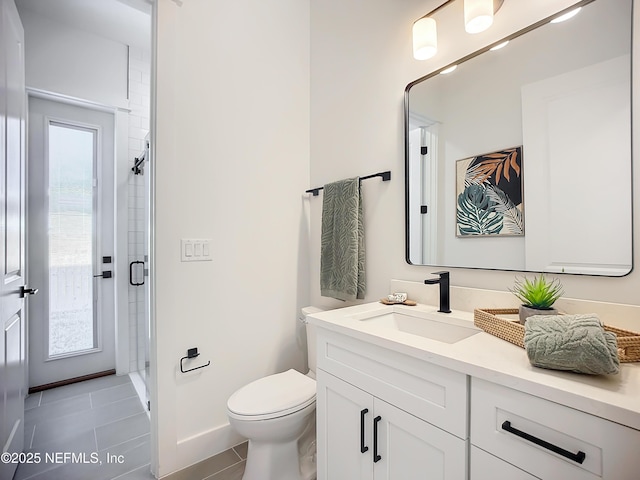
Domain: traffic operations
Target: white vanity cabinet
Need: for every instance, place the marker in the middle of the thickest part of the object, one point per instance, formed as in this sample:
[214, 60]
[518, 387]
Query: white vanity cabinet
[394, 406]
[382, 415]
[546, 439]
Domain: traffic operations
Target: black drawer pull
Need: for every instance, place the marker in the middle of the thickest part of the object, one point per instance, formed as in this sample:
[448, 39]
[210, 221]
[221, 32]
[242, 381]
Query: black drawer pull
[363, 447]
[576, 457]
[376, 457]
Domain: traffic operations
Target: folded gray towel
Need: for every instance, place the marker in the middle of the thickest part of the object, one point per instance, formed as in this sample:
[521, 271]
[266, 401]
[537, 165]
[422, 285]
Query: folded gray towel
[342, 242]
[577, 343]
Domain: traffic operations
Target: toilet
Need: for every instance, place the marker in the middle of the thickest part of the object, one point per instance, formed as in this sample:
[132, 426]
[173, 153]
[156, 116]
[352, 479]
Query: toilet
[277, 414]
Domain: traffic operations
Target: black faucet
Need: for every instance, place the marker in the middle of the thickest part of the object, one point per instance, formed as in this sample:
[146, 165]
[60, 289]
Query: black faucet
[443, 281]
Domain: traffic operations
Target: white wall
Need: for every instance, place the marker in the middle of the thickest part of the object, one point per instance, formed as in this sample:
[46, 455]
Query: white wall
[73, 62]
[231, 164]
[361, 63]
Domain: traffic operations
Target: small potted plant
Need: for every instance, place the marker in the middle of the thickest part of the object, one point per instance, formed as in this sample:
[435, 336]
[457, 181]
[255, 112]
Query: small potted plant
[537, 296]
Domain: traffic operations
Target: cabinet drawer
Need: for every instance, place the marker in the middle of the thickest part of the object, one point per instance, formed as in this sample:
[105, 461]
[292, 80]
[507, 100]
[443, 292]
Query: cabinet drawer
[550, 440]
[485, 466]
[432, 393]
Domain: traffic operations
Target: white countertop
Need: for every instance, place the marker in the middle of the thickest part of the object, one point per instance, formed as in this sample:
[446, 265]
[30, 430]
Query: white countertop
[613, 397]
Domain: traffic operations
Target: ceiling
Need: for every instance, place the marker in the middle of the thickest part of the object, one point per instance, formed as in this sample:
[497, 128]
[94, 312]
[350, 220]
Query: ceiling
[124, 21]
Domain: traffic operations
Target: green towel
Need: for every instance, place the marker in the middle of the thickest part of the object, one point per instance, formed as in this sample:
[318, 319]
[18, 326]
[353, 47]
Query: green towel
[342, 242]
[578, 343]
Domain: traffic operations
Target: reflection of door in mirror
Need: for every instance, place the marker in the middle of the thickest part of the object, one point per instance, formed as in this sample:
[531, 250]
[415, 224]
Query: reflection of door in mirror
[563, 92]
[423, 189]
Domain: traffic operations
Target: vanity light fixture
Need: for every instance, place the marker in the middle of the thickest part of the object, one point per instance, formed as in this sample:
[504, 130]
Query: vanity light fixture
[425, 35]
[448, 70]
[425, 38]
[566, 16]
[478, 16]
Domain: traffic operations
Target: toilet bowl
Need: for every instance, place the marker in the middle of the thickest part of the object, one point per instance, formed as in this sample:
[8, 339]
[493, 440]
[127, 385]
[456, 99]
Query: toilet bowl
[274, 413]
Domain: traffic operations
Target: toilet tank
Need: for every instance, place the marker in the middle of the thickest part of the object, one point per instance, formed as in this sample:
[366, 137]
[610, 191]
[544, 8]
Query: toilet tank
[311, 338]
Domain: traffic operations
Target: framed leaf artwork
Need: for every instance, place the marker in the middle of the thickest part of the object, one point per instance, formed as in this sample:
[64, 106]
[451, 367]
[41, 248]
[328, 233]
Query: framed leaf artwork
[489, 194]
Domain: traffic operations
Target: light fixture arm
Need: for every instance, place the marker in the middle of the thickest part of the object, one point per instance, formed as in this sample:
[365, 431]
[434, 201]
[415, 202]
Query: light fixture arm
[438, 8]
[496, 6]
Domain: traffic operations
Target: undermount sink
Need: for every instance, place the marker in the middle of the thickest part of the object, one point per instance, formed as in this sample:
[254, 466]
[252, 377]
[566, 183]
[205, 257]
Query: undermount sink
[442, 327]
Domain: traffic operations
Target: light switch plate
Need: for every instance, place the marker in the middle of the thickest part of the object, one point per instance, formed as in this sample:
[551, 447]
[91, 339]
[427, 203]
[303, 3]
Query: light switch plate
[195, 249]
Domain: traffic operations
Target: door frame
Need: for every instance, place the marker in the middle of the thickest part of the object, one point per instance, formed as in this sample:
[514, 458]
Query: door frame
[60, 118]
[121, 175]
[120, 248]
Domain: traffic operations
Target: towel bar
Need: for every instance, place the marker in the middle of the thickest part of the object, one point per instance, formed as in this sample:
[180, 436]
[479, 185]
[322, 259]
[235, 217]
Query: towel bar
[386, 176]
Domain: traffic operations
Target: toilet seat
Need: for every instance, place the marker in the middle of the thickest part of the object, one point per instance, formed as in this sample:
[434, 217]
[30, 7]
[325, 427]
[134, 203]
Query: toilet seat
[273, 396]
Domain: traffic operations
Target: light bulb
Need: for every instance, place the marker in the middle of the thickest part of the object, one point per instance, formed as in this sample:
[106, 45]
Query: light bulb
[425, 38]
[478, 15]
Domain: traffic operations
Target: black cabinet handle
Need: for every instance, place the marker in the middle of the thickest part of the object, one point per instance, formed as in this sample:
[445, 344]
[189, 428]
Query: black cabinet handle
[376, 457]
[576, 457]
[363, 447]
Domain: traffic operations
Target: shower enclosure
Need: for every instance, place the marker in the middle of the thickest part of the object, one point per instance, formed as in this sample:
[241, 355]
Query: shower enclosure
[139, 239]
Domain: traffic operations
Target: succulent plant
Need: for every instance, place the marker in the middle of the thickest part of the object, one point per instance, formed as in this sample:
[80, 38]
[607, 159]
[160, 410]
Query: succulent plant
[537, 293]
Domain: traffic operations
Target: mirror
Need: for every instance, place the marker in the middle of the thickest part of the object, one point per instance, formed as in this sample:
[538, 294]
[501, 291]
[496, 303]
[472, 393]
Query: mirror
[520, 159]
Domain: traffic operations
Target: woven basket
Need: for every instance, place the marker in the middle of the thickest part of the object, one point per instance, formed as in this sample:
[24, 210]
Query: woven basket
[512, 331]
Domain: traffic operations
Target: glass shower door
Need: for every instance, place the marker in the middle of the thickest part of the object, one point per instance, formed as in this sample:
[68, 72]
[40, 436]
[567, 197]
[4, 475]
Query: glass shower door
[139, 241]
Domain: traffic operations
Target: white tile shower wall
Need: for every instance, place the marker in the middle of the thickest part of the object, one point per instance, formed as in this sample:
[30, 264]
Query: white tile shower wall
[139, 101]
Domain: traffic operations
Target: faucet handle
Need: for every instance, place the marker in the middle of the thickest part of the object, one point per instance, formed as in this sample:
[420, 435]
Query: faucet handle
[441, 273]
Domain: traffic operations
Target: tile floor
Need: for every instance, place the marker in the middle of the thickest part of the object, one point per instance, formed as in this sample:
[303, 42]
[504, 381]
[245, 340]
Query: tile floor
[104, 425]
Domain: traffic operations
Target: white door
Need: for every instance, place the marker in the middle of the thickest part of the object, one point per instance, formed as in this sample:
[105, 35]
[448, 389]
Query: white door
[12, 235]
[71, 241]
[408, 448]
[344, 428]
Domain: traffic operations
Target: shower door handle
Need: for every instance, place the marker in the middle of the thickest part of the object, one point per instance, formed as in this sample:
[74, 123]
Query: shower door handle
[131, 282]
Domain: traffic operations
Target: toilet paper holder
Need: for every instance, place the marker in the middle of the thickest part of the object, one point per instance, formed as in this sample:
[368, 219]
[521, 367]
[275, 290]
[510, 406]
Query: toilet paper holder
[192, 353]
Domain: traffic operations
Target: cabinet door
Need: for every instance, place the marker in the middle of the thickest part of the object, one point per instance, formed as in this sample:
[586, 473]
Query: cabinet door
[344, 428]
[485, 466]
[412, 449]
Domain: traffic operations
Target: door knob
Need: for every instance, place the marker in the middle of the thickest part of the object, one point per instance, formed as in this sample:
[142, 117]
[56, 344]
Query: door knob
[27, 291]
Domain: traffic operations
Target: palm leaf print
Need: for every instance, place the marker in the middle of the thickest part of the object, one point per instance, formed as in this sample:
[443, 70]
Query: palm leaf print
[512, 216]
[499, 163]
[476, 213]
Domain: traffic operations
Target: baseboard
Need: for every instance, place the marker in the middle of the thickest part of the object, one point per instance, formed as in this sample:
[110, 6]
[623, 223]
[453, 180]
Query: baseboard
[69, 381]
[200, 447]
